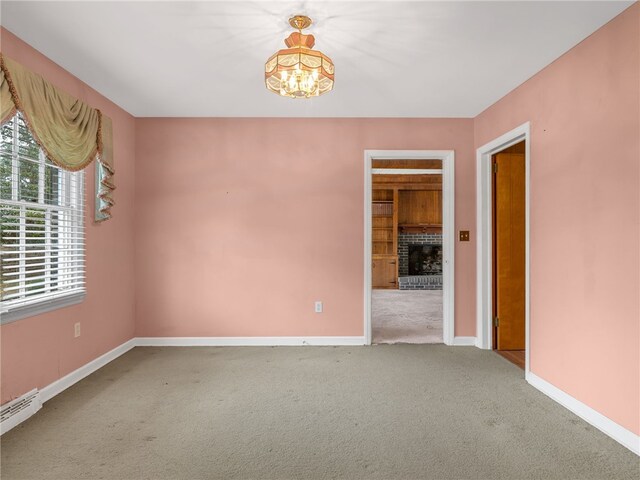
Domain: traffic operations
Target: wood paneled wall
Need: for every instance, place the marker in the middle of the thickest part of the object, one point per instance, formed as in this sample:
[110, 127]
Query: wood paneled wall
[408, 182]
[407, 164]
[420, 207]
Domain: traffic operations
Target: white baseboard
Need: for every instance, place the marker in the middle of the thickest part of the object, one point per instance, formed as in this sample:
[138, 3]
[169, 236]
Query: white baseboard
[53, 389]
[591, 416]
[617, 432]
[246, 341]
[464, 341]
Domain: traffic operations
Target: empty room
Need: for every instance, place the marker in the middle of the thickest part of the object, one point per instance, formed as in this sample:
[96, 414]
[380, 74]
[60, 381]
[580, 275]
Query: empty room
[319, 240]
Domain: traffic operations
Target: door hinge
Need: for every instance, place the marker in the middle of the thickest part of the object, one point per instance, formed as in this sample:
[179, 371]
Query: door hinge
[496, 322]
[495, 168]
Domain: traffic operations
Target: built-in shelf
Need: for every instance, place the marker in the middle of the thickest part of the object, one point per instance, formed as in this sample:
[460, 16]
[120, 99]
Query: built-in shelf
[384, 234]
[382, 208]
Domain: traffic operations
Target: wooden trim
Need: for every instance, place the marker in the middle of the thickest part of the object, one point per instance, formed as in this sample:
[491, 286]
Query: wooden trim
[395, 227]
[406, 164]
[406, 171]
[407, 186]
[420, 228]
[494, 252]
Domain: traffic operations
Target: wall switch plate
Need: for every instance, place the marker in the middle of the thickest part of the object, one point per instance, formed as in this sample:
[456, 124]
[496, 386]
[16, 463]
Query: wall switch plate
[318, 307]
[464, 235]
[76, 330]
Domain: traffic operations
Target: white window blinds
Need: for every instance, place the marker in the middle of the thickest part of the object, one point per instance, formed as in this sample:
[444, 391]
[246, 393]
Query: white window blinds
[42, 249]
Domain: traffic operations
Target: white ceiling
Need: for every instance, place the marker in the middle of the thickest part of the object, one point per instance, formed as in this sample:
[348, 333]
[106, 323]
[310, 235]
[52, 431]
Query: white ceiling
[393, 59]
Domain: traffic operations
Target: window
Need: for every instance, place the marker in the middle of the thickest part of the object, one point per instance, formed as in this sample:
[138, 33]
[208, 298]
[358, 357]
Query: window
[41, 228]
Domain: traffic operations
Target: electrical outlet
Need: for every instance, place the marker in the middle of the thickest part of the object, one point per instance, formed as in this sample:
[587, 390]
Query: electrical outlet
[318, 307]
[464, 235]
[76, 330]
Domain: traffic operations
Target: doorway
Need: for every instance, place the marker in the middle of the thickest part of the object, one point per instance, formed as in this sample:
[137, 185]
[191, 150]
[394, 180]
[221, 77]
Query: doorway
[399, 187]
[508, 258]
[406, 297]
[503, 295]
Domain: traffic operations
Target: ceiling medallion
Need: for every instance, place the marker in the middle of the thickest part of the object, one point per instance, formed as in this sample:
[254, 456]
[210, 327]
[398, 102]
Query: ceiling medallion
[298, 71]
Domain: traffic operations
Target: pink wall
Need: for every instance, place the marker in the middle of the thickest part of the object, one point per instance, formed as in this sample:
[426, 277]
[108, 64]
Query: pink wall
[39, 350]
[242, 223]
[585, 178]
[238, 229]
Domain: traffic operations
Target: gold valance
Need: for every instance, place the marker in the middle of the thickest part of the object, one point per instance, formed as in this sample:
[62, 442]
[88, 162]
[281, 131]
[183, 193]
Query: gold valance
[104, 174]
[70, 132]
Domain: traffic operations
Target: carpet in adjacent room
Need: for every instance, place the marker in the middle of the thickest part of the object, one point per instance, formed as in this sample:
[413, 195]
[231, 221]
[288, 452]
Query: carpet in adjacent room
[406, 316]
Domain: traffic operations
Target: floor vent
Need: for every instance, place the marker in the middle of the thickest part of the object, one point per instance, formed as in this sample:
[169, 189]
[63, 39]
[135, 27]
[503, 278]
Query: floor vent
[18, 410]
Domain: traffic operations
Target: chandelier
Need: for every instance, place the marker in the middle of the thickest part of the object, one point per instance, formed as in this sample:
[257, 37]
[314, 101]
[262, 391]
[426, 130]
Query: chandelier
[298, 71]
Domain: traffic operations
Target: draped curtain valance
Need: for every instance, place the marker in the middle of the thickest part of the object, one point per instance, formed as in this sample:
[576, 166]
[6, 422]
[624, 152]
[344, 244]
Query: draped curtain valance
[71, 133]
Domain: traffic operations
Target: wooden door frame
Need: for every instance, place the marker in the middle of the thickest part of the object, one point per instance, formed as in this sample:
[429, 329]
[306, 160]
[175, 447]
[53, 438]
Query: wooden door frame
[484, 225]
[448, 228]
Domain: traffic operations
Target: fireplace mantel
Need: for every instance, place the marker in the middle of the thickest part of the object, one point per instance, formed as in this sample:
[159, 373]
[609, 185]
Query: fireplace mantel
[420, 228]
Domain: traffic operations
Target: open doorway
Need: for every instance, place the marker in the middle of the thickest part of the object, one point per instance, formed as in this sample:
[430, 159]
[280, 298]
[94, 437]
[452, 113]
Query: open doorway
[409, 248]
[508, 207]
[406, 233]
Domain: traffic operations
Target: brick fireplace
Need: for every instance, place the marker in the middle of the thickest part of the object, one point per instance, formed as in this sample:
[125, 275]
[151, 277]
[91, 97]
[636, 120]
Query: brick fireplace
[430, 279]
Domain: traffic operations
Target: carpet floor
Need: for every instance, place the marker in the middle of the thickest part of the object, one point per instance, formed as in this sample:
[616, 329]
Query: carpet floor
[406, 316]
[388, 412]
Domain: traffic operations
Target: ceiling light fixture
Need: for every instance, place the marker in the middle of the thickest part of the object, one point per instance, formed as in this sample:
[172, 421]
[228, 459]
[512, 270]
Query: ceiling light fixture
[298, 71]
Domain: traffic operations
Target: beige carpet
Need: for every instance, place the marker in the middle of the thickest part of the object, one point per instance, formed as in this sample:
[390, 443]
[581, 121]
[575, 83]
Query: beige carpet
[381, 412]
[406, 316]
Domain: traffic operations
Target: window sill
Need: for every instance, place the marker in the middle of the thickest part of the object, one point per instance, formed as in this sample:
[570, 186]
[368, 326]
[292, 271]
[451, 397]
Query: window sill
[24, 311]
